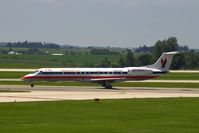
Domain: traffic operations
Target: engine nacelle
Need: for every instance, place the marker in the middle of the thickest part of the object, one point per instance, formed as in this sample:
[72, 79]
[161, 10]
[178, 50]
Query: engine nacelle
[140, 71]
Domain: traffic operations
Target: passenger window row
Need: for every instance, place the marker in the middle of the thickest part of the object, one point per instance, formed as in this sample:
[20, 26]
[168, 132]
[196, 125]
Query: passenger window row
[83, 72]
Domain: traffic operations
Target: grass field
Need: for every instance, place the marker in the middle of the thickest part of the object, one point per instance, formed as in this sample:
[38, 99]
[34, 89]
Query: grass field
[38, 61]
[179, 76]
[174, 115]
[12, 75]
[8, 91]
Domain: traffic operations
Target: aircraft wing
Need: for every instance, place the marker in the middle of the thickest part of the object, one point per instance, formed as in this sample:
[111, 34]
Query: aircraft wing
[107, 79]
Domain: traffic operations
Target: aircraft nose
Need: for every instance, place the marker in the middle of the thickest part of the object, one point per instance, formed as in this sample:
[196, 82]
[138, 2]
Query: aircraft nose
[23, 78]
[27, 77]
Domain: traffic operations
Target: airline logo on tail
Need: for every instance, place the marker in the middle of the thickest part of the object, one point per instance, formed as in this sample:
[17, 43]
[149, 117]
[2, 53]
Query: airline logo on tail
[163, 62]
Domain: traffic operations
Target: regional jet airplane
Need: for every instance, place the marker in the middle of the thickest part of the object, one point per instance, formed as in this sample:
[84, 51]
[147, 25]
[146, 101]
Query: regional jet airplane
[103, 76]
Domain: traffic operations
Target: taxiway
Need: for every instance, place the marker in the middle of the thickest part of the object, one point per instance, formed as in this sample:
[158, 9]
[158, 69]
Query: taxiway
[57, 93]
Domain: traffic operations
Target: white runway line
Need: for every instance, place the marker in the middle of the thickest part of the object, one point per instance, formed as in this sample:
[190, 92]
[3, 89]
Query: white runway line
[10, 80]
[184, 71]
[17, 70]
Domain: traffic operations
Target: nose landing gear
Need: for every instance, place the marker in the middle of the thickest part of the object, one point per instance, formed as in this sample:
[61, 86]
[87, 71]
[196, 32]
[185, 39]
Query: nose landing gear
[32, 85]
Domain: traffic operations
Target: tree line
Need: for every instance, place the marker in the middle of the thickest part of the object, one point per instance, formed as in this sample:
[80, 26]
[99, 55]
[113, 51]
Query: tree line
[187, 59]
[27, 44]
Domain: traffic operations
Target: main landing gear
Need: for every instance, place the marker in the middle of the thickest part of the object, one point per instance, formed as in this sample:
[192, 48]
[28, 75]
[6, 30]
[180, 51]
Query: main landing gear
[107, 85]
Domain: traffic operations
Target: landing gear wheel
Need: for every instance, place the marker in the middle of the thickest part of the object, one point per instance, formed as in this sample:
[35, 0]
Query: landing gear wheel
[108, 86]
[32, 85]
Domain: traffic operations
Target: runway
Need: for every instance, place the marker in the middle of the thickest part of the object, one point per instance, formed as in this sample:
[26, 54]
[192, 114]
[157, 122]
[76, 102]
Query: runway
[57, 93]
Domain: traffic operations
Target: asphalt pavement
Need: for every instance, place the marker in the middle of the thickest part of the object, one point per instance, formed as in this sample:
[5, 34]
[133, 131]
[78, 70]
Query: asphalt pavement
[57, 93]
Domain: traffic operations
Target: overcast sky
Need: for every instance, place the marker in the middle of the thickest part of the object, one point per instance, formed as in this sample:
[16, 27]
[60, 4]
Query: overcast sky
[125, 23]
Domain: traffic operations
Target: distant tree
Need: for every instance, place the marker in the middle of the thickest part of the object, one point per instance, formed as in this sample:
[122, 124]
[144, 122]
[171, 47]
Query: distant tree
[34, 51]
[86, 53]
[192, 59]
[9, 44]
[121, 61]
[178, 62]
[166, 45]
[91, 64]
[27, 44]
[130, 59]
[105, 63]
[144, 49]
[183, 48]
[72, 52]
[66, 52]
[100, 51]
[88, 64]
[3, 51]
[172, 44]
[10, 49]
[144, 59]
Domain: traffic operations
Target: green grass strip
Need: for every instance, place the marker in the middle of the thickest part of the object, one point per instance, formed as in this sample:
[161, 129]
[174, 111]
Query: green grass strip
[179, 76]
[8, 91]
[12, 75]
[173, 115]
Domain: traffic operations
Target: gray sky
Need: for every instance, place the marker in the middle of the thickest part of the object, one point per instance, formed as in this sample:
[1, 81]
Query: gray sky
[125, 23]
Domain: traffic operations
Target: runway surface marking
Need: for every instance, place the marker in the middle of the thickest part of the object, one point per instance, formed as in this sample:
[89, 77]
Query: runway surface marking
[52, 93]
[16, 70]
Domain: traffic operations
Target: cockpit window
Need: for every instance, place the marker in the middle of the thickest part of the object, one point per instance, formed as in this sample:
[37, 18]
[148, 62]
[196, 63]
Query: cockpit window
[35, 72]
[38, 72]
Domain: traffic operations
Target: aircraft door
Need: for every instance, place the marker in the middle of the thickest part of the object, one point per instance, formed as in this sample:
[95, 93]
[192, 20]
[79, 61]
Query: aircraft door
[130, 72]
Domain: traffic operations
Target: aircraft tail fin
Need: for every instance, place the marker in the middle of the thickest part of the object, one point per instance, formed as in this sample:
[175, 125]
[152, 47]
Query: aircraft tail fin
[164, 62]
